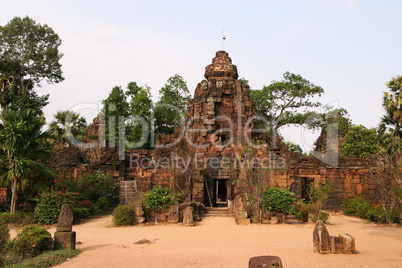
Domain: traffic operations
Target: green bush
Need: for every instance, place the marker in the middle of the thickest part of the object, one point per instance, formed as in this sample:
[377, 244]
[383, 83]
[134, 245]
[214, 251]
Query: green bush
[355, 206]
[123, 215]
[92, 187]
[300, 210]
[97, 185]
[278, 200]
[49, 205]
[324, 216]
[31, 241]
[381, 213]
[4, 236]
[159, 199]
[80, 213]
[101, 205]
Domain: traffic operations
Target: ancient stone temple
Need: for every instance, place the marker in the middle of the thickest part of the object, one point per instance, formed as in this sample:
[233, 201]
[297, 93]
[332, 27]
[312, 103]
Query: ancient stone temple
[218, 114]
[220, 120]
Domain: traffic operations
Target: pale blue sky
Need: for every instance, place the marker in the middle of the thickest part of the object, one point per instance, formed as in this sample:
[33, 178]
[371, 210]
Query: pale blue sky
[349, 47]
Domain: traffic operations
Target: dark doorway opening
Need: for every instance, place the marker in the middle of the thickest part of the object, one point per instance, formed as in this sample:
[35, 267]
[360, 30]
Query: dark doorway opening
[220, 192]
[305, 188]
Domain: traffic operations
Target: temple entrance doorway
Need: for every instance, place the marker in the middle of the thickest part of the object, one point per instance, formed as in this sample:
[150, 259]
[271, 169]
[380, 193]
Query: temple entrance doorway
[217, 191]
[305, 188]
[220, 192]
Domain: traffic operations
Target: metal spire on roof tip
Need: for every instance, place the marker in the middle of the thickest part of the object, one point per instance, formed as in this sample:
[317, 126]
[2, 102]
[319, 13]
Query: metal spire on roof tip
[223, 39]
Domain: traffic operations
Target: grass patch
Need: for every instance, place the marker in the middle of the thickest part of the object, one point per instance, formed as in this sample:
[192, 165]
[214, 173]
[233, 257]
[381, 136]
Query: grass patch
[47, 259]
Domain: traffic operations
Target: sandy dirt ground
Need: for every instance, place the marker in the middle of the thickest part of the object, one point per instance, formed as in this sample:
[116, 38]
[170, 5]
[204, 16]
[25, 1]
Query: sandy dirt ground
[219, 242]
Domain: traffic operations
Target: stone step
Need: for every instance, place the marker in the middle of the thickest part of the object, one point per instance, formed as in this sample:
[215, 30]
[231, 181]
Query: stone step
[217, 212]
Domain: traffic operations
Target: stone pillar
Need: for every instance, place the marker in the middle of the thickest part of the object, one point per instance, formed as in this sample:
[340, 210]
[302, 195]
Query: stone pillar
[240, 210]
[64, 237]
[188, 219]
[136, 203]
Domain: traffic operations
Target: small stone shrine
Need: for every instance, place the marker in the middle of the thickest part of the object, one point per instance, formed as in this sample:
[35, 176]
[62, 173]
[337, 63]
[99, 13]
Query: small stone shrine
[64, 237]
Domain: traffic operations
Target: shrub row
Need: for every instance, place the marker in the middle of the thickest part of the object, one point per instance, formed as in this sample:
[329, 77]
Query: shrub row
[357, 206]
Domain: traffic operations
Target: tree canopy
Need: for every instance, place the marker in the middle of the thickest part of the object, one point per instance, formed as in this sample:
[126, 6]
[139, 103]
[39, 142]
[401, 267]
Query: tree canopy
[29, 54]
[134, 107]
[66, 124]
[138, 127]
[287, 102]
[172, 104]
[359, 142]
[391, 122]
[114, 106]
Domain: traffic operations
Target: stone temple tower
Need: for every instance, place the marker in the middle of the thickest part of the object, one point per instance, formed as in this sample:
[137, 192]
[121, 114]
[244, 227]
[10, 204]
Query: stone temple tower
[217, 117]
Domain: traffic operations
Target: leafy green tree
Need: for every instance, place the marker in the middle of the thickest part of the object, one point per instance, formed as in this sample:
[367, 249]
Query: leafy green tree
[140, 109]
[392, 103]
[294, 148]
[243, 80]
[359, 142]
[67, 124]
[134, 107]
[287, 102]
[172, 105]
[29, 54]
[22, 145]
[114, 106]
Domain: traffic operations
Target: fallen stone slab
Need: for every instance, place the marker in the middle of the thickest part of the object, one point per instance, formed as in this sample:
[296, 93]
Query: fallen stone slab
[265, 261]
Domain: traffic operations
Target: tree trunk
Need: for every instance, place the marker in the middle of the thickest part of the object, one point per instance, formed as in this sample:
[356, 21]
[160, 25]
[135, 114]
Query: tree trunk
[13, 195]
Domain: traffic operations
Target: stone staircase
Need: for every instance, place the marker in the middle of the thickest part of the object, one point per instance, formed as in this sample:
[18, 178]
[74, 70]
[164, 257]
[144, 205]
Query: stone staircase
[217, 212]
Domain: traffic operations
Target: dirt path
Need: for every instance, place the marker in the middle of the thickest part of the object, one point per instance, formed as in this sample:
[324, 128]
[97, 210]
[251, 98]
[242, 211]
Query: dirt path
[219, 242]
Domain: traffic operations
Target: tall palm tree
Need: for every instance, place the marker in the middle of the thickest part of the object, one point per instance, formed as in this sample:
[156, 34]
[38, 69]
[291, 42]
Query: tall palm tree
[392, 103]
[67, 124]
[22, 146]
